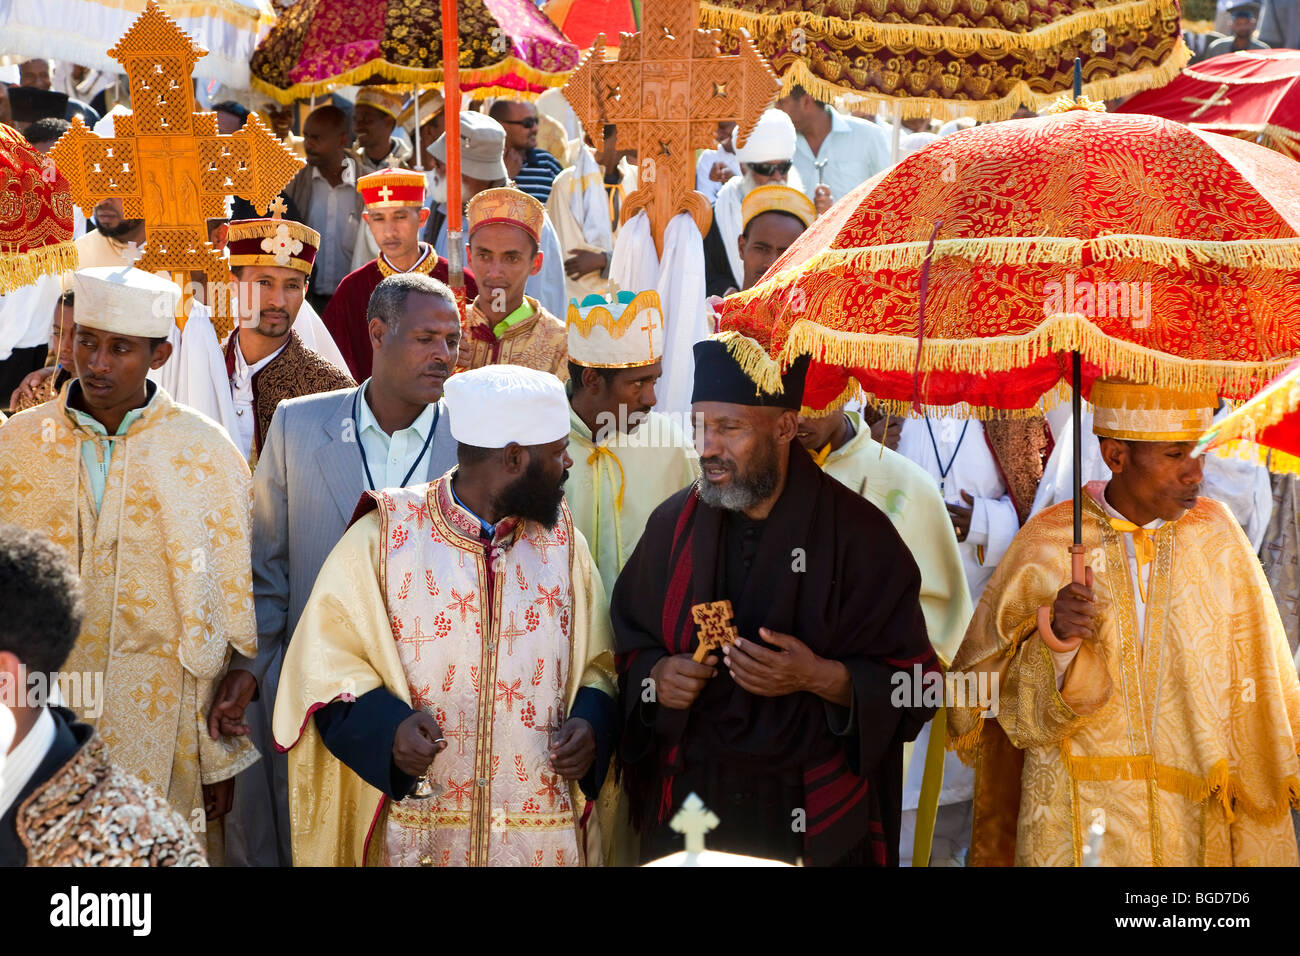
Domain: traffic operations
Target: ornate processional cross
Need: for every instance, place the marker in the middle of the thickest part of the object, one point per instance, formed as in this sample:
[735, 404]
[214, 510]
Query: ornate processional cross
[168, 164]
[693, 821]
[666, 94]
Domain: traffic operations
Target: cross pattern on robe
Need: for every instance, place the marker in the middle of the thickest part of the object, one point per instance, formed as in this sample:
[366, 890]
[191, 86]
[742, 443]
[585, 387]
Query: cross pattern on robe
[1217, 98]
[693, 821]
[715, 627]
[167, 163]
[666, 94]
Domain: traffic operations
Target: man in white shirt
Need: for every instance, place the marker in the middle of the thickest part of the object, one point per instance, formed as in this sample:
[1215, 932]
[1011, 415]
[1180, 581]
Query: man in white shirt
[716, 166]
[61, 801]
[838, 151]
[323, 452]
[326, 190]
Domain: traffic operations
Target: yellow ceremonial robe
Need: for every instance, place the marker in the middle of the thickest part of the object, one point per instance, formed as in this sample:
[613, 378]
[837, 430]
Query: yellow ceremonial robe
[359, 632]
[1180, 746]
[612, 490]
[165, 566]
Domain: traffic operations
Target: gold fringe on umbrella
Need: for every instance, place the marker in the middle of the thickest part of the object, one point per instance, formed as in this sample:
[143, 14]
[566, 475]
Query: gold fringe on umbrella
[18, 269]
[991, 42]
[410, 75]
[1061, 333]
[1019, 251]
[985, 111]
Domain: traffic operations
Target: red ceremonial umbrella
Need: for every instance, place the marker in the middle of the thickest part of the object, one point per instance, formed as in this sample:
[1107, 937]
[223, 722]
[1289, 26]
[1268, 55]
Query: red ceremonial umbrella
[35, 215]
[584, 20]
[1266, 429]
[504, 47]
[1252, 94]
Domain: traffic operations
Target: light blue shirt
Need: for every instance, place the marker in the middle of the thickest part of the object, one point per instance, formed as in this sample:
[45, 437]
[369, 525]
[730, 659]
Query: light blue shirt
[488, 530]
[97, 471]
[390, 457]
[855, 150]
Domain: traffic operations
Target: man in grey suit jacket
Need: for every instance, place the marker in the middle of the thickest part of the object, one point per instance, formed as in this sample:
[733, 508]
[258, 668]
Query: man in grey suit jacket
[322, 453]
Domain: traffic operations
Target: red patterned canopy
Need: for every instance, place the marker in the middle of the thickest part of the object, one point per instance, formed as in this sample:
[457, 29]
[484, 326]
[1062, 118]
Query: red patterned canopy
[507, 47]
[1252, 94]
[1161, 253]
[35, 215]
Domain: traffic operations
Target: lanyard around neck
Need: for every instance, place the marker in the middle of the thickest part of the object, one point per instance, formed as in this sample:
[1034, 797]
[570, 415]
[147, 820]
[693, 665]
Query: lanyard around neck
[943, 470]
[356, 425]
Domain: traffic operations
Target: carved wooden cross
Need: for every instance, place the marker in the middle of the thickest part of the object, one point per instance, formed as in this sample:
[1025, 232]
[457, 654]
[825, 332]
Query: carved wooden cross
[715, 627]
[666, 94]
[167, 163]
[693, 821]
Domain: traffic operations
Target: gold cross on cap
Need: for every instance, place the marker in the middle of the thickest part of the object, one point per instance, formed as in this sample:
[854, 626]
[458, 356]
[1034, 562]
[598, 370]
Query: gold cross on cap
[278, 207]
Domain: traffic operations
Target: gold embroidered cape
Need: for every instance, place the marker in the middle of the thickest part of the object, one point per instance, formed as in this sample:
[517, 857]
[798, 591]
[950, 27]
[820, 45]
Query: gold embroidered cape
[539, 341]
[345, 644]
[167, 576]
[1181, 746]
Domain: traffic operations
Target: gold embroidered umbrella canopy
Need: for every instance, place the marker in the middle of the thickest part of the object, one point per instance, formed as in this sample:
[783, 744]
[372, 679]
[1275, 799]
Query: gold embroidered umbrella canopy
[980, 58]
[35, 215]
[505, 47]
[1266, 429]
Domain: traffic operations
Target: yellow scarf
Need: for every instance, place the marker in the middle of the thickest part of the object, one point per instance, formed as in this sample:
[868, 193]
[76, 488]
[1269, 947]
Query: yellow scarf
[1144, 547]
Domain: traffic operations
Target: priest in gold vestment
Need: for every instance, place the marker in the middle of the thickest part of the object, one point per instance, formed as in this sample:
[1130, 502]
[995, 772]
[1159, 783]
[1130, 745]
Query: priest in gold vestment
[1154, 722]
[447, 696]
[151, 500]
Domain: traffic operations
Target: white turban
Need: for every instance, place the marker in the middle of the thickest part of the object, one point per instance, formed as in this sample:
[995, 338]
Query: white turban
[126, 301]
[771, 141]
[495, 405]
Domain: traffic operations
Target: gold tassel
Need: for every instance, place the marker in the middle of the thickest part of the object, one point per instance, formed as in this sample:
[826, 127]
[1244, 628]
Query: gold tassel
[1062, 333]
[408, 75]
[984, 111]
[763, 370]
[18, 269]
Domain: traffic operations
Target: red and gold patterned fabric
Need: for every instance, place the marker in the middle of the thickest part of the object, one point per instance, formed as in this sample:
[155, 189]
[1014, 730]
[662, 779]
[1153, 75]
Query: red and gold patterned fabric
[35, 215]
[1266, 429]
[507, 47]
[1165, 255]
[1252, 94]
[959, 57]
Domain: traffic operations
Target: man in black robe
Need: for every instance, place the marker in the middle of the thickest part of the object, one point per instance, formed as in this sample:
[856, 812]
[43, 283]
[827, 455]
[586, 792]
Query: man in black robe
[790, 735]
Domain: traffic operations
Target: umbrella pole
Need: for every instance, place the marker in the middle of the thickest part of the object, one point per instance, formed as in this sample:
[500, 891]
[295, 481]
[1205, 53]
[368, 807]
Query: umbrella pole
[419, 156]
[1076, 435]
[898, 132]
[451, 95]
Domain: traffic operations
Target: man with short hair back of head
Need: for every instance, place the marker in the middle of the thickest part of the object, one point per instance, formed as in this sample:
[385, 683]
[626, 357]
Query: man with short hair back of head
[63, 802]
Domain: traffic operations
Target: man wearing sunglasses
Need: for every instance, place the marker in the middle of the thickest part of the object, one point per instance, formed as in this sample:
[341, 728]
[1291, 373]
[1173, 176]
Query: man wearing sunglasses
[767, 157]
[532, 169]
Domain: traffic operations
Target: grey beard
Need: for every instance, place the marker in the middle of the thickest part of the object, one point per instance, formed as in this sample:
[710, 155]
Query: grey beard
[438, 190]
[744, 491]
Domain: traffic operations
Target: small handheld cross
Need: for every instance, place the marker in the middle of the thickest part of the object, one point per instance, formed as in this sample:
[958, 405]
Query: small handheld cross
[715, 627]
[692, 821]
[278, 207]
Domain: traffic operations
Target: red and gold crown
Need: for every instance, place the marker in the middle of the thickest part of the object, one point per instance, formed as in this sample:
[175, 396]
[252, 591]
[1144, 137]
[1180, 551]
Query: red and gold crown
[390, 188]
[507, 205]
[272, 242]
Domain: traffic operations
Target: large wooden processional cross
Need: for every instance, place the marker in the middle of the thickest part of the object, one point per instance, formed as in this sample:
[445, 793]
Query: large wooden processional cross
[168, 164]
[666, 93]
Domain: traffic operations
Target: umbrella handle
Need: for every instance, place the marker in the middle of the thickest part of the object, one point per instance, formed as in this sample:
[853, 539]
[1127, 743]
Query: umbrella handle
[1080, 576]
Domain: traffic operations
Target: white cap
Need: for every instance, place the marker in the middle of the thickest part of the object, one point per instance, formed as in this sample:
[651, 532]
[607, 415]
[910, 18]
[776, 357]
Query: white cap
[495, 405]
[772, 140]
[126, 301]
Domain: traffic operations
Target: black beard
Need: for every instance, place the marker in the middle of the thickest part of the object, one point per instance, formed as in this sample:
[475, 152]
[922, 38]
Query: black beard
[748, 487]
[533, 497]
[124, 228]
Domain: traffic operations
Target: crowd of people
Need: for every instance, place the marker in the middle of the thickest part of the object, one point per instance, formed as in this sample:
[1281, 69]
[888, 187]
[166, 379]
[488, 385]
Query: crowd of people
[492, 606]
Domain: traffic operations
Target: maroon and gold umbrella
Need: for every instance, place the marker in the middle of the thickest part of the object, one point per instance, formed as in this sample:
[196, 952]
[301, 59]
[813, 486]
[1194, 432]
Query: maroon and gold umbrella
[35, 215]
[506, 48]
